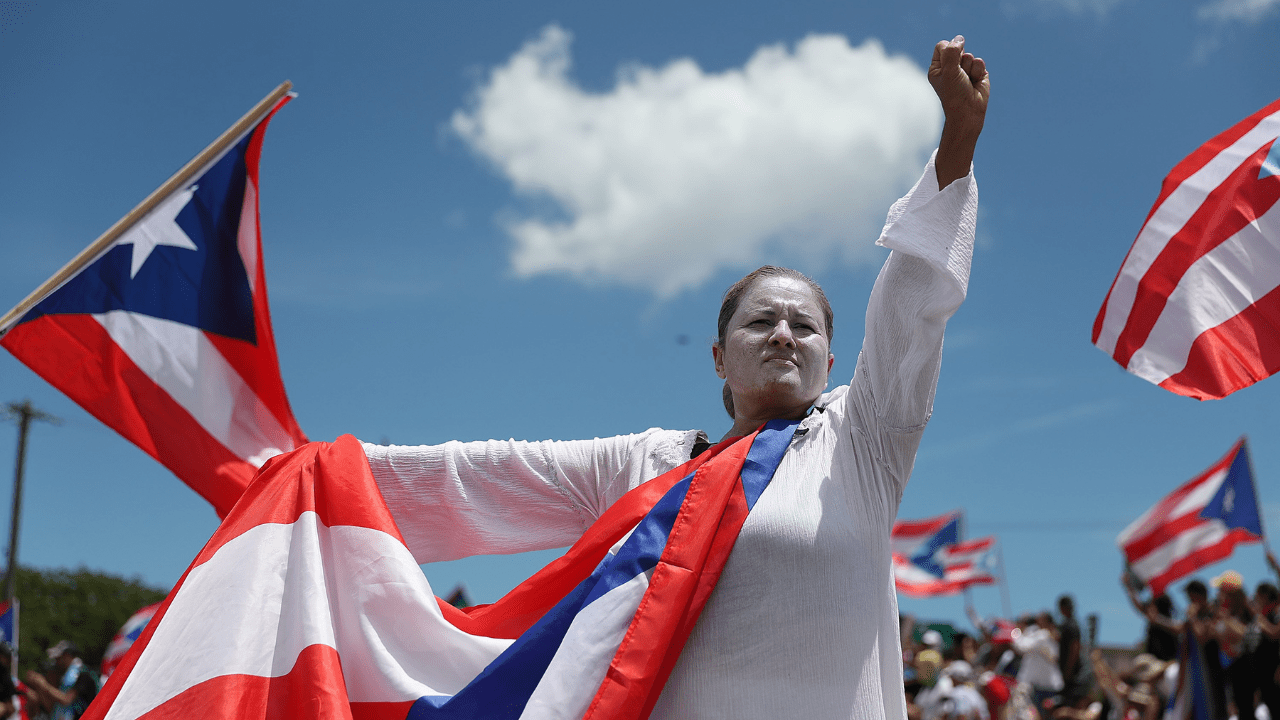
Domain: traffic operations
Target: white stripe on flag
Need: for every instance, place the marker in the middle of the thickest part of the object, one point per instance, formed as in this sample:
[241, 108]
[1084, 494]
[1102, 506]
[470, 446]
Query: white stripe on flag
[1162, 557]
[579, 666]
[181, 360]
[1168, 219]
[1248, 262]
[1193, 502]
[355, 589]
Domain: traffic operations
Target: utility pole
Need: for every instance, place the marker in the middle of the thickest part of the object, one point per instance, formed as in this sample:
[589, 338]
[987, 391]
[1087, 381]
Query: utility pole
[24, 413]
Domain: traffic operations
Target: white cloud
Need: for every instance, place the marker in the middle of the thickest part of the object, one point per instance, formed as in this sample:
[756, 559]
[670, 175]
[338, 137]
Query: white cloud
[1248, 11]
[675, 173]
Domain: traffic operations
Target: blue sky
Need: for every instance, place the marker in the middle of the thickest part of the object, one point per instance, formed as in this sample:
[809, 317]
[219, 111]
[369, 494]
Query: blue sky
[431, 214]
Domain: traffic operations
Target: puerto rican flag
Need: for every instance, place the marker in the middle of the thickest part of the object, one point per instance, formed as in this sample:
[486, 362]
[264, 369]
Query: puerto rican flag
[166, 335]
[929, 558]
[9, 622]
[1198, 524]
[125, 638]
[1195, 306]
[948, 569]
[306, 603]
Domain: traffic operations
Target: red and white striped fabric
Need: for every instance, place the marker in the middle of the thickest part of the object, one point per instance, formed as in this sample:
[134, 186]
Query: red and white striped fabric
[306, 603]
[166, 335]
[1198, 524]
[1195, 307]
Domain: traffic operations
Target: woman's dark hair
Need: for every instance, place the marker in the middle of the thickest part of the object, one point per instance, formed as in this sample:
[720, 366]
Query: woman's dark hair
[733, 298]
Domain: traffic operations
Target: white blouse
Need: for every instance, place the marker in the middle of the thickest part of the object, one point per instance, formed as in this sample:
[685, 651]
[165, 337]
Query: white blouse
[804, 619]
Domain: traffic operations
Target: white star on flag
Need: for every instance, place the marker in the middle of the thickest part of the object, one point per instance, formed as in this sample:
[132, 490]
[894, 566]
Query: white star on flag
[159, 227]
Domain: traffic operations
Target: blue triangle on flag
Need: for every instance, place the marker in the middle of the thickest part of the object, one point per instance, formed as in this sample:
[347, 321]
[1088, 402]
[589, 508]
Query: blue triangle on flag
[1236, 503]
[925, 555]
[206, 287]
[1271, 164]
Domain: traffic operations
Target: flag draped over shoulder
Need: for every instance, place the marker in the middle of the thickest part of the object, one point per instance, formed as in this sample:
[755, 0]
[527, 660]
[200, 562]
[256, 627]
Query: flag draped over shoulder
[306, 603]
[930, 559]
[1198, 524]
[1195, 307]
[166, 336]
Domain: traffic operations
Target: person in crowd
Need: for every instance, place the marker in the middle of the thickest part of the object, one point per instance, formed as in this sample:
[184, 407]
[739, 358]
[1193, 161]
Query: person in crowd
[1161, 638]
[1074, 682]
[1137, 694]
[76, 686]
[1266, 656]
[1237, 637]
[823, 523]
[10, 700]
[1037, 644]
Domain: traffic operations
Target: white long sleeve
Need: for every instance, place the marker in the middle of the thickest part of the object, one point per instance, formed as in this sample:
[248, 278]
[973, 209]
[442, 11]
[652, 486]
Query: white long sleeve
[507, 496]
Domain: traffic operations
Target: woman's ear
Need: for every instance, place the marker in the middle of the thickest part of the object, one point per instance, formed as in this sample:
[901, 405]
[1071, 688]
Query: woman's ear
[718, 356]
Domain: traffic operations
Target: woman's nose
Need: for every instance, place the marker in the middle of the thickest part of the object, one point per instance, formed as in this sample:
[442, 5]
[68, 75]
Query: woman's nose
[782, 335]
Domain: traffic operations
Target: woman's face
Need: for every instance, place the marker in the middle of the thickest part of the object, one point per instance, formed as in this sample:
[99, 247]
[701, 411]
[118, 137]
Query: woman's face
[776, 353]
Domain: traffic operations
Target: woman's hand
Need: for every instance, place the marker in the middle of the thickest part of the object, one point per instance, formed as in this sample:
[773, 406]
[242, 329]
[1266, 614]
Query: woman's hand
[963, 87]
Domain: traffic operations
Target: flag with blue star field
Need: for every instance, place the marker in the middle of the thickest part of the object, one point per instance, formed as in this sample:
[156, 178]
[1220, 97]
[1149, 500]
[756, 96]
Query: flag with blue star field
[166, 337]
[930, 559]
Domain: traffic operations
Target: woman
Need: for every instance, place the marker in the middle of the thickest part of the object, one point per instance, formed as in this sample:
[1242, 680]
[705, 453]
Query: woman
[803, 620]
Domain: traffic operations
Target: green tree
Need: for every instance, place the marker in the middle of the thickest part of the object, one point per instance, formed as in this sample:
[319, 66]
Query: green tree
[80, 605]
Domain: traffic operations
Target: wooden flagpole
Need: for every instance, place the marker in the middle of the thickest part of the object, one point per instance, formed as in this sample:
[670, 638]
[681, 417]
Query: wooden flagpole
[180, 178]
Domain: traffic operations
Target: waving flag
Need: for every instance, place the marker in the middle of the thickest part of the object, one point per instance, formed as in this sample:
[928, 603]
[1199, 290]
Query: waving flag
[124, 639]
[9, 622]
[165, 335]
[958, 566]
[1195, 307]
[1195, 525]
[306, 603]
[929, 558]
[1193, 697]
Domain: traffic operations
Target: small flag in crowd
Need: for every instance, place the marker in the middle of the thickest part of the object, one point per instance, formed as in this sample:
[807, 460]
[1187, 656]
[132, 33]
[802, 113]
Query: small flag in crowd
[9, 622]
[1198, 524]
[1193, 697]
[1195, 307]
[164, 334]
[929, 558]
[307, 603]
[124, 639]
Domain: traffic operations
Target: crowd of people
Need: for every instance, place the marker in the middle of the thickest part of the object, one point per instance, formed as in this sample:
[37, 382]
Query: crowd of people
[1041, 667]
[61, 690]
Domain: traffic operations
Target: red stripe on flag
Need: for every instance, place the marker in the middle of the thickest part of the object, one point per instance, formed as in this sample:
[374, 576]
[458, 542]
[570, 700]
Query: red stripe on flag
[299, 471]
[313, 688]
[1240, 200]
[927, 526]
[519, 609]
[1141, 547]
[678, 589]
[1233, 355]
[77, 355]
[971, 545]
[1183, 170]
[258, 365]
[1188, 564]
[1206, 152]
[1160, 514]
